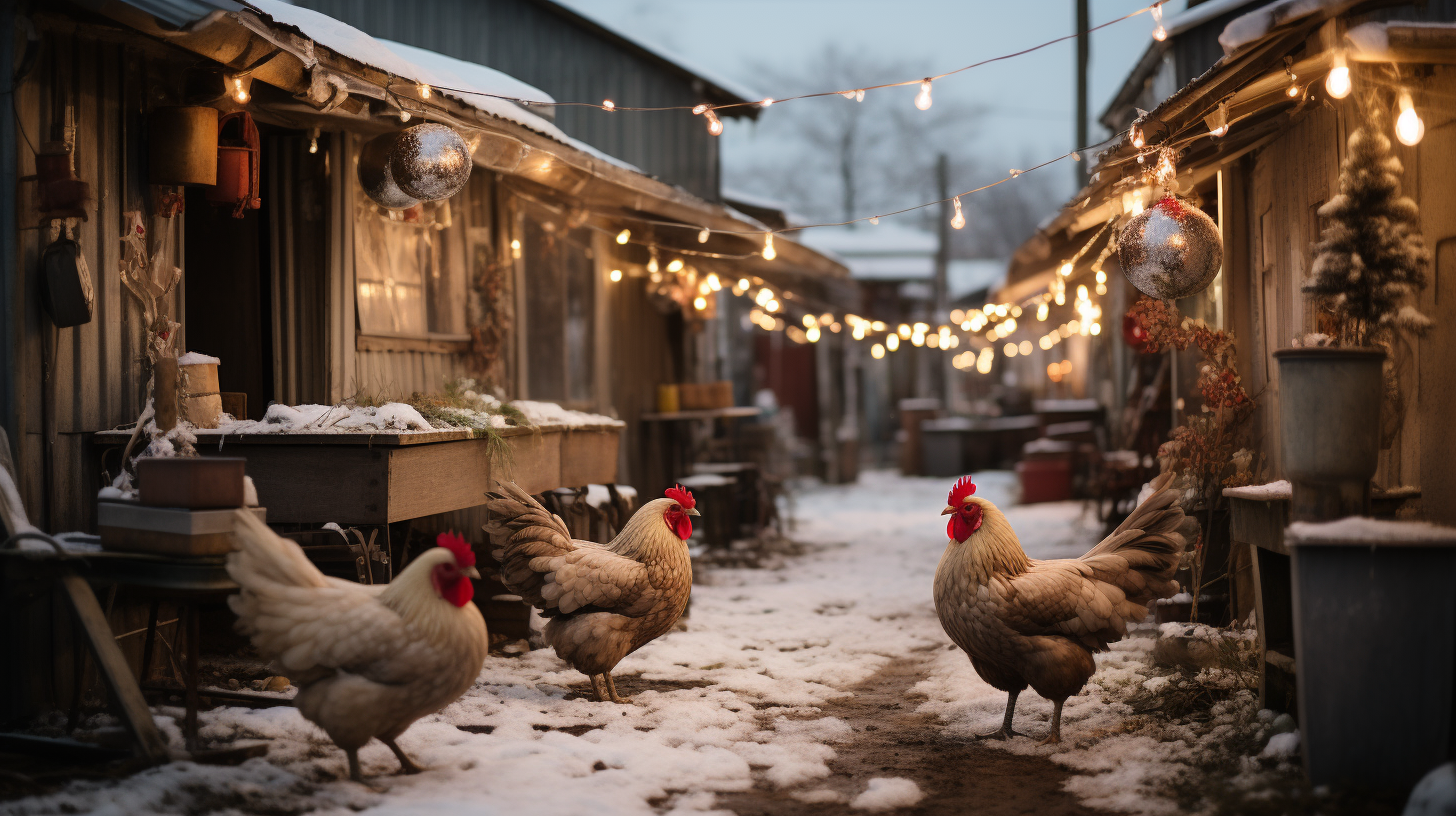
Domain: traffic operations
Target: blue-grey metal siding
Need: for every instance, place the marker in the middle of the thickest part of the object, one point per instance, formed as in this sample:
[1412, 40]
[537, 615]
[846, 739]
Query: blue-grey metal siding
[548, 49]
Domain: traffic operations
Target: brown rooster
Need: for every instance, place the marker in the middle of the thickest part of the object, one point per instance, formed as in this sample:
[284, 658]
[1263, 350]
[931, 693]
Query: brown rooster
[604, 602]
[368, 660]
[1034, 623]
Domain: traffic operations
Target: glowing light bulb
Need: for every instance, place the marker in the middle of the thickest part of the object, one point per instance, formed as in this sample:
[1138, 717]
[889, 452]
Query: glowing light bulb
[1065, 269]
[616, 275]
[859, 331]
[404, 115]
[877, 351]
[240, 93]
[1010, 349]
[715, 127]
[922, 99]
[921, 328]
[903, 330]
[1135, 135]
[1096, 328]
[763, 296]
[743, 284]
[875, 219]
[624, 236]
[859, 95]
[1045, 343]
[516, 249]
[609, 104]
[959, 219]
[700, 303]
[1338, 81]
[1409, 128]
[769, 253]
[713, 282]
[1159, 33]
[1081, 291]
[847, 95]
[917, 340]
[765, 103]
[892, 342]
[424, 90]
[1024, 347]
[812, 333]
[699, 109]
[675, 265]
[1042, 311]
[772, 305]
[703, 235]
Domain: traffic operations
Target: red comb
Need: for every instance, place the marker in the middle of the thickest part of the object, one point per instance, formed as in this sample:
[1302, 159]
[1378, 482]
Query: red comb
[963, 490]
[681, 495]
[455, 543]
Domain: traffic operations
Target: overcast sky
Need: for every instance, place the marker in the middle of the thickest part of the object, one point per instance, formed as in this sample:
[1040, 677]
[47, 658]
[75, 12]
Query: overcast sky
[1028, 100]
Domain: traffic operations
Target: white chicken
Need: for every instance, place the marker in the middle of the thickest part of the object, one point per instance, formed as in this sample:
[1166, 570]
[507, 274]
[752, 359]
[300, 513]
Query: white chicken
[368, 660]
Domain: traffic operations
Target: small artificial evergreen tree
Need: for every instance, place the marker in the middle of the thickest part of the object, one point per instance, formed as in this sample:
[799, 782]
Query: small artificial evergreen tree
[1371, 258]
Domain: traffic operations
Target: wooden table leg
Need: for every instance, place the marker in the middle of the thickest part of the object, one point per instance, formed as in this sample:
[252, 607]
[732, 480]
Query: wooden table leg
[194, 646]
[124, 688]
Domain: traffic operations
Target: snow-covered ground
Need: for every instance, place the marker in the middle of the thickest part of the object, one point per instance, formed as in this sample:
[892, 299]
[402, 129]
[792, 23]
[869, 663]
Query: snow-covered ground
[738, 701]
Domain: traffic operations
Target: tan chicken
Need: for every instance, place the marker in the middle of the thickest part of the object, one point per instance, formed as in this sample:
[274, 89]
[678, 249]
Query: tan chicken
[368, 660]
[1034, 623]
[604, 602]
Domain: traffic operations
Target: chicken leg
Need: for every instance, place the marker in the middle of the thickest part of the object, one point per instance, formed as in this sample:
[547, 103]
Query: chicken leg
[1005, 731]
[612, 689]
[599, 688]
[1056, 733]
[406, 765]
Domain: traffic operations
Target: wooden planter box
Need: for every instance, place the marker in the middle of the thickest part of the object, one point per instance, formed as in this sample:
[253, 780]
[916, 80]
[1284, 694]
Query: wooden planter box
[589, 455]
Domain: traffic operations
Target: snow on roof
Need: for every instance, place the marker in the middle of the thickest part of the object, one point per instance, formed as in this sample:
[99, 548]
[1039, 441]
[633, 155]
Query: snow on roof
[882, 239]
[1359, 530]
[964, 277]
[413, 64]
[1202, 13]
[1256, 25]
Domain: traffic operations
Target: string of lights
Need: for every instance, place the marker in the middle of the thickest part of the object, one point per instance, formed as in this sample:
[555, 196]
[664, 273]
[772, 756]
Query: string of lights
[923, 98]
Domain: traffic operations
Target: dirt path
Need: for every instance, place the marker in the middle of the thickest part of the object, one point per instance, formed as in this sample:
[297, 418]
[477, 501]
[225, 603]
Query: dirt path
[891, 740]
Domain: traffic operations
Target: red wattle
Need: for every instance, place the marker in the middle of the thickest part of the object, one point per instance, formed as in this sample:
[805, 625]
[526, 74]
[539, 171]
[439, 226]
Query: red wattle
[455, 588]
[681, 524]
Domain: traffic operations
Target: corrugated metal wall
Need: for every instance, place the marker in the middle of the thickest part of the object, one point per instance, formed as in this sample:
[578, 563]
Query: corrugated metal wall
[529, 41]
[72, 382]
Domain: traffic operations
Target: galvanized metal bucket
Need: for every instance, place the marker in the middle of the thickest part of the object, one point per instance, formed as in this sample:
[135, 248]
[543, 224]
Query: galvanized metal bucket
[1329, 427]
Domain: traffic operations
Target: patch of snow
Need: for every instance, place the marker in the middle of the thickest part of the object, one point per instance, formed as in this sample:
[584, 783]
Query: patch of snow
[1250, 28]
[1273, 491]
[549, 413]
[888, 793]
[250, 492]
[1282, 745]
[1435, 794]
[1359, 530]
[197, 358]
[392, 417]
[111, 493]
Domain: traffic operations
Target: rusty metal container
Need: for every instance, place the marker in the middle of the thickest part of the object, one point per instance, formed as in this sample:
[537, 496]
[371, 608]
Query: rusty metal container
[182, 145]
[192, 482]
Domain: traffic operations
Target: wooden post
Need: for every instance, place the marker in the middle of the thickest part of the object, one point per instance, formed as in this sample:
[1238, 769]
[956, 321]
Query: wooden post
[164, 395]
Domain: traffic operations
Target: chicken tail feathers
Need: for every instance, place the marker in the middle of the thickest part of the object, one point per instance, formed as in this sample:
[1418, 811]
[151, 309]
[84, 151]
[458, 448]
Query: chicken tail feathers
[1141, 556]
[521, 532]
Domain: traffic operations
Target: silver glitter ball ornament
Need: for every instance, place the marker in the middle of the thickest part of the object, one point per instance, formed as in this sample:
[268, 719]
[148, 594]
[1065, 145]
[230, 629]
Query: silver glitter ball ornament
[430, 162]
[1171, 250]
[376, 177]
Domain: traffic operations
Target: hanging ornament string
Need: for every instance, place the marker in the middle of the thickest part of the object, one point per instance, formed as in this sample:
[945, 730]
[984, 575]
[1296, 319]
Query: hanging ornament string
[922, 100]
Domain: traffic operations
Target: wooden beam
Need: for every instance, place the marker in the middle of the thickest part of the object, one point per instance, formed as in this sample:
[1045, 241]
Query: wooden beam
[124, 689]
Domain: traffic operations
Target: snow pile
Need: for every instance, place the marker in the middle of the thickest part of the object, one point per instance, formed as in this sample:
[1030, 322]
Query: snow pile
[197, 358]
[392, 417]
[1250, 28]
[1361, 530]
[549, 413]
[1435, 794]
[1273, 491]
[888, 794]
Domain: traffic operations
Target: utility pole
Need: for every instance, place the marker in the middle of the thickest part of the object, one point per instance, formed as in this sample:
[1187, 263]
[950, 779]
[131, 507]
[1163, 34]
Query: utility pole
[942, 269]
[1084, 53]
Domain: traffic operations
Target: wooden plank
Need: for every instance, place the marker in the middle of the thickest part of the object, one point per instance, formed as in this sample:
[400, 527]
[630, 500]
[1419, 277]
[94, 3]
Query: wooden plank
[316, 484]
[429, 479]
[534, 463]
[134, 712]
[434, 345]
[589, 457]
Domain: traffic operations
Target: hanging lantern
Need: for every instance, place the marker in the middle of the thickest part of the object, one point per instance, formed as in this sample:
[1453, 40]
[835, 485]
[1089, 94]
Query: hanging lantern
[238, 157]
[1171, 250]
[429, 162]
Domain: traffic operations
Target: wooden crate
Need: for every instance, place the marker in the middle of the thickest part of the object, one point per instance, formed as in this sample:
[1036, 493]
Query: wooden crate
[589, 455]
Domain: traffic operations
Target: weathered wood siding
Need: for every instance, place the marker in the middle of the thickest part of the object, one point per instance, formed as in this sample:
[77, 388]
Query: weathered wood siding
[74, 381]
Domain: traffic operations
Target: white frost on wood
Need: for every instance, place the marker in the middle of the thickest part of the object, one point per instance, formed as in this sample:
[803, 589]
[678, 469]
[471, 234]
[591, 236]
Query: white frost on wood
[197, 358]
[1257, 24]
[1357, 529]
[888, 793]
[1273, 491]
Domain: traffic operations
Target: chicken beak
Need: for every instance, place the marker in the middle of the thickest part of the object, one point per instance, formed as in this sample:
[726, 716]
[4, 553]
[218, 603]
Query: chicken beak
[692, 511]
[948, 510]
[472, 572]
